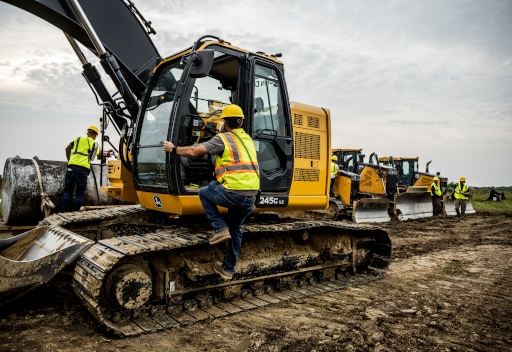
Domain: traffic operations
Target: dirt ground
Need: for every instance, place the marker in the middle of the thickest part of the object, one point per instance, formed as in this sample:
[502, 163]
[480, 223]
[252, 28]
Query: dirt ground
[447, 289]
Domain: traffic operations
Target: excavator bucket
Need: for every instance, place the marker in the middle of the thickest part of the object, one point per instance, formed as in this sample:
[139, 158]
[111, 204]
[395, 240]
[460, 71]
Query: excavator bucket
[371, 210]
[416, 203]
[449, 207]
[32, 258]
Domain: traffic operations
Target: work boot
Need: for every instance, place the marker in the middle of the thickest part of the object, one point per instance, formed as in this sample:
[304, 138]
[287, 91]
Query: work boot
[221, 236]
[217, 267]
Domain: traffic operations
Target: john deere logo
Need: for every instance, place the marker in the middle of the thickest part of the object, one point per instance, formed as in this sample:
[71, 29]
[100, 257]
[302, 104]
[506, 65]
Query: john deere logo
[158, 201]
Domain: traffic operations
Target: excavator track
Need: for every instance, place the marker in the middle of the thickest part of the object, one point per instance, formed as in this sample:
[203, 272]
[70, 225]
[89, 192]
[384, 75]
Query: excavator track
[148, 276]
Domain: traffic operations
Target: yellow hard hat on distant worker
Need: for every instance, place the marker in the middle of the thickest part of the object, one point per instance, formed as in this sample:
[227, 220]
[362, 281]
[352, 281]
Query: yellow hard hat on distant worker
[334, 158]
[462, 178]
[232, 111]
[93, 128]
[436, 178]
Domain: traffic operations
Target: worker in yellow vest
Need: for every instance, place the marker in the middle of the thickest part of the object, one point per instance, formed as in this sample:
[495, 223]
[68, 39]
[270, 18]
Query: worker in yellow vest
[79, 153]
[237, 184]
[435, 193]
[462, 194]
[334, 171]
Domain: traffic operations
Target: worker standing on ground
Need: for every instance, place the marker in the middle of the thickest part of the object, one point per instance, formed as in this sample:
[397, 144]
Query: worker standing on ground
[435, 193]
[462, 194]
[237, 184]
[334, 171]
[79, 153]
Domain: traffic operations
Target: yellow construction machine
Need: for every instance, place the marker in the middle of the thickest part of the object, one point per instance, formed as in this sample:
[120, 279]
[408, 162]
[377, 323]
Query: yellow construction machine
[146, 267]
[361, 189]
[412, 199]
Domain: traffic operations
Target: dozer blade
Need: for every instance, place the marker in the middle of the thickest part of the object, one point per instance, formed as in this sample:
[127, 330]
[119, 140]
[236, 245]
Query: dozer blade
[416, 203]
[371, 210]
[32, 258]
[449, 207]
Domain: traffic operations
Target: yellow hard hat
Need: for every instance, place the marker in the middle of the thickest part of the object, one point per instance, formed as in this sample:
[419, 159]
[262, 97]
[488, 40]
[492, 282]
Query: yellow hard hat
[436, 178]
[334, 158]
[232, 111]
[93, 128]
[462, 178]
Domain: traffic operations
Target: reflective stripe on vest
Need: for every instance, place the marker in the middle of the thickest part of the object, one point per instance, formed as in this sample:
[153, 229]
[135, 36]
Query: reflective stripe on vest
[464, 189]
[238, 169]
[82, 154]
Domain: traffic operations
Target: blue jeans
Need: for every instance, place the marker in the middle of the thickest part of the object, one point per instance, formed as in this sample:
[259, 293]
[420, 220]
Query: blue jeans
[75, 176]
[239, 208]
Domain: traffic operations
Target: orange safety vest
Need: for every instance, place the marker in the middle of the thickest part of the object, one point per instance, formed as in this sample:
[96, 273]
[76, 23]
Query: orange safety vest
[237, 168]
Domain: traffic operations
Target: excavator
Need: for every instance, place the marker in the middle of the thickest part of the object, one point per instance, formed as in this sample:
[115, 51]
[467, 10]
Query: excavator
[413, 197]
[361, 189]
[147, 266]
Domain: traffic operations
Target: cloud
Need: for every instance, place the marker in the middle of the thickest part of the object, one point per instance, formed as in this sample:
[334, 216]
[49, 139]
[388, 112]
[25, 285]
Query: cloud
[431, 79]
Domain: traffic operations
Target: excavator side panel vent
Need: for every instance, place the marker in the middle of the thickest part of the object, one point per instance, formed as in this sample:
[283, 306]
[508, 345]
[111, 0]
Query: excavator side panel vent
[313, 122]
[298, 119]
[307, 146]
[306, 175]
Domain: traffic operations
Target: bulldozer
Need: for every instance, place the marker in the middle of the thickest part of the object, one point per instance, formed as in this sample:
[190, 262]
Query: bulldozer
[361, 189]
[413, 200]
[147, 266]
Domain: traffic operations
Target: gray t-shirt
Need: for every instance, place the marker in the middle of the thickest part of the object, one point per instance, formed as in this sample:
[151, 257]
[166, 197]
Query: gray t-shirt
[215, 146]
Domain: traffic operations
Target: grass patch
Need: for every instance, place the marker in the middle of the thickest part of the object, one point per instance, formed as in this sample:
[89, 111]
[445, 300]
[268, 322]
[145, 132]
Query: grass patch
[480, 202]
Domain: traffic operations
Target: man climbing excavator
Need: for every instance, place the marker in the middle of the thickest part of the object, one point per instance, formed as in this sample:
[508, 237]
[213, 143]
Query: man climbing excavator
[145, 267]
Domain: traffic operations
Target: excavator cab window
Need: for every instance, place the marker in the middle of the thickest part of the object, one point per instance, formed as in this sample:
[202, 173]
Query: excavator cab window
[271, 130]
[151, 168]
[268, 117]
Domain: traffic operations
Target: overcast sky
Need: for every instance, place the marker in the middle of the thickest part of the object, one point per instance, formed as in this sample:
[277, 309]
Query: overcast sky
[431, 78]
